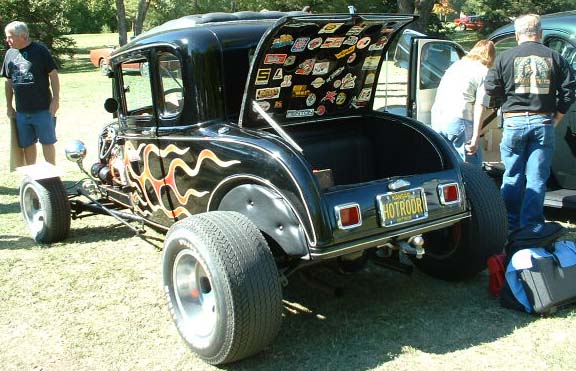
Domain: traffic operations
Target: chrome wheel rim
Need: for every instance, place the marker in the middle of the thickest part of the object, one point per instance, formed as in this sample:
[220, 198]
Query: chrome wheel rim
[195, 296]
[33, 209]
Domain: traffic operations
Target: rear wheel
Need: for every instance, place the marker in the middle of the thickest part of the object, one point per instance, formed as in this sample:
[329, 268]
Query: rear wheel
[45, 208]
[462, 250]
[462, 27]
[222, 286]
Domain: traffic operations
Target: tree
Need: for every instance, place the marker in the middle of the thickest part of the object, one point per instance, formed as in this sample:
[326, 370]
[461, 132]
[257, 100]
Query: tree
[46, 22]
[90, 16]
[422, 8]
[122, 28]
[443, 8]
[143, 6]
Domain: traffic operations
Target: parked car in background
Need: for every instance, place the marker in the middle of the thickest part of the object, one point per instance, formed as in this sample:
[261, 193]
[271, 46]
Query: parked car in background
[472, 22]
[101, 58]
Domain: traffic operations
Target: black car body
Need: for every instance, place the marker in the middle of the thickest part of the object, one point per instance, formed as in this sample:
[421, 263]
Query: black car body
[253, 139]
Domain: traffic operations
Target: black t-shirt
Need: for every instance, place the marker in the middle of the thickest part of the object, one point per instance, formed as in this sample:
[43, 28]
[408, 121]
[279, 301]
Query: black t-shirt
[531, 78]
[28, 68]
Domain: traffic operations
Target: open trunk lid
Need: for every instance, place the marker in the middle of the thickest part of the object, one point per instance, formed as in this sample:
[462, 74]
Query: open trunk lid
[319, 65]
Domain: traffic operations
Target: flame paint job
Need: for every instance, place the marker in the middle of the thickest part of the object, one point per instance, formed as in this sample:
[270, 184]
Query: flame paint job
[139, 180]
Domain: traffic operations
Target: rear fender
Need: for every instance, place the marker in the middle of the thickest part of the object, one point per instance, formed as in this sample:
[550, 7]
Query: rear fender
[271, 213]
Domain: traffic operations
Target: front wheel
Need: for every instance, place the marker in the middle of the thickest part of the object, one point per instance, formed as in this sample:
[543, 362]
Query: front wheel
[103, 67]
[462, 27]
[462, 250]
[222, 286]
[45, 208]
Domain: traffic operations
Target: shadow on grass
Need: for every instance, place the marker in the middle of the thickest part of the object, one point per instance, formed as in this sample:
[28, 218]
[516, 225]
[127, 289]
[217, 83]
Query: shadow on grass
[112, 232]
[11, 208]
[9, 191]
[78, 64]
[382, 315]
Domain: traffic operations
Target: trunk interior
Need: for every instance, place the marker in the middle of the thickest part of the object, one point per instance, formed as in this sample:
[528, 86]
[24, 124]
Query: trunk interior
[363, 149]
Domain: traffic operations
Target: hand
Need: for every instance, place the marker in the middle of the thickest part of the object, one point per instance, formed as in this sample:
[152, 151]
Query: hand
[10, 112]
[471, 148]
[54, 105]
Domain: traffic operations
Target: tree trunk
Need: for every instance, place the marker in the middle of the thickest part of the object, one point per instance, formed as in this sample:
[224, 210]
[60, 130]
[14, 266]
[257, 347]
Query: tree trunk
[405, 6]
[143, 6]
[423, 8]
[122, 28]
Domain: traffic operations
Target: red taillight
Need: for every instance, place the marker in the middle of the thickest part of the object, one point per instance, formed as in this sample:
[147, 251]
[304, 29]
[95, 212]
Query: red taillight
[449, 193]
[348, 216]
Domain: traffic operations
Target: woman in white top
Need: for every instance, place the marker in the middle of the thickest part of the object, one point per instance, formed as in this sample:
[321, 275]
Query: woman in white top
[458, 106]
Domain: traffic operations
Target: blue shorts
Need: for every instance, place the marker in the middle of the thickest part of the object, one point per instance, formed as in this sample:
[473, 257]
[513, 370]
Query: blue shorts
[34, 126]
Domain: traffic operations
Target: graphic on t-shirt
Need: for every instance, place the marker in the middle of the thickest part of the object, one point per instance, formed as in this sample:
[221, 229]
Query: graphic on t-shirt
[21, 74]
[532, 74]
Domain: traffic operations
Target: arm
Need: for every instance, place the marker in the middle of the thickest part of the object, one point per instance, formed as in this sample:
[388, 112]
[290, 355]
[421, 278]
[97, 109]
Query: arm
[494, 84]
[479, 111]
[565, 91]
[55, 86]
[9, 93]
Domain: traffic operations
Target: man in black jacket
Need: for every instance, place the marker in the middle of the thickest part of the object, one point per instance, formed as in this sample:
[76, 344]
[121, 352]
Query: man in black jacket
[536, 86]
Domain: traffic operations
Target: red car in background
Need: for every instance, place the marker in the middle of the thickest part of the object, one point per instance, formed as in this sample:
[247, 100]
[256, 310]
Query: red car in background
[472, 22]
[100, 58]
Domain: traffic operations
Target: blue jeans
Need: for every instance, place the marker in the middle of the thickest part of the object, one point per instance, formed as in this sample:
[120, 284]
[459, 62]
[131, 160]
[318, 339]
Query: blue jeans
[526, 150]
[459, 132]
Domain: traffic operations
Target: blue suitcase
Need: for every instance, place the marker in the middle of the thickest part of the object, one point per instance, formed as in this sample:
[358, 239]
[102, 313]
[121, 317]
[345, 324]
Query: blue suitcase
[542, 281]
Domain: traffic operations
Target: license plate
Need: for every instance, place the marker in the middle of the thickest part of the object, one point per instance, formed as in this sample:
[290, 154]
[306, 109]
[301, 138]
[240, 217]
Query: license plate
[402, 207]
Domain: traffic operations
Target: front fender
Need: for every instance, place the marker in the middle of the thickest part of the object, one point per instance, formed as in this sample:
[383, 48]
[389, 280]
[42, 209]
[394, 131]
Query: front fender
[44, 170]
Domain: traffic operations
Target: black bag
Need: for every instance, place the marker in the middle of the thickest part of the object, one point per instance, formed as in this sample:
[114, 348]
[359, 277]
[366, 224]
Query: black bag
[538, 235]
[548, 283]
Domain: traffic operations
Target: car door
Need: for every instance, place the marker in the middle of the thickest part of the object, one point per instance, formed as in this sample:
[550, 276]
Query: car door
[138, 119]
[564, 161]
[430, 58]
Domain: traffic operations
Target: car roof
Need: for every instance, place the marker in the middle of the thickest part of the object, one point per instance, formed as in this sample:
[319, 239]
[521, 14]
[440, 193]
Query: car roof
[563, 21]
[209, 19]
[218, 24]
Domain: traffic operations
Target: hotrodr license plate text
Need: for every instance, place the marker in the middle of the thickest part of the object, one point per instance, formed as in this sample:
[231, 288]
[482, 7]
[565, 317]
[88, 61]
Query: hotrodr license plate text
[402, 207]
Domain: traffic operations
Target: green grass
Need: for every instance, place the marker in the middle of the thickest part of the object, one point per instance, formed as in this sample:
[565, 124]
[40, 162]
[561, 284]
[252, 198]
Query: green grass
[95, 301]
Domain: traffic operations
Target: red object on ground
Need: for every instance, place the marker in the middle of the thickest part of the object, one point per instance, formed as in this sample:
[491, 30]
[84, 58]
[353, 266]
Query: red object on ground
[497, 270]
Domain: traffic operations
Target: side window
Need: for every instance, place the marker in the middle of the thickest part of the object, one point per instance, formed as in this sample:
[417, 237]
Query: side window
[392, 89]
[504, 44]
[565, 49]
[137, 89]
[171, 81]
[435, 59]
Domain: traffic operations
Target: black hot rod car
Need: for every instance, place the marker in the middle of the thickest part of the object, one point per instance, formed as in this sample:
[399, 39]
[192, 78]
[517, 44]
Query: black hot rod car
[252, 140]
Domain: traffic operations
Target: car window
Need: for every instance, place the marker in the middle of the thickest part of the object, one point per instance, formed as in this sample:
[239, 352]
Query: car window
[434, 61]
[505, 44]
[136, 88]
[565, 48]
[392, 89]
[171, 84]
